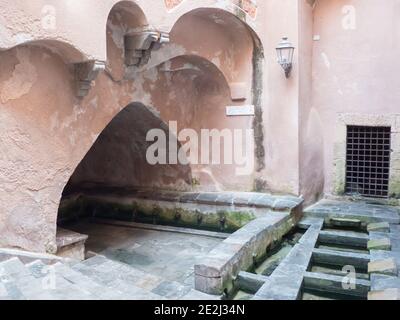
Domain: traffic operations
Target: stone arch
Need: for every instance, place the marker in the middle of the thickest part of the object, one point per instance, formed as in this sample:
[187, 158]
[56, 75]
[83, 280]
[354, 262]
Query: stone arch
[233, 7]
[202, 68]
[194, 92]
[65, 50]
[118, 160]
[124, 18]
[241, 60]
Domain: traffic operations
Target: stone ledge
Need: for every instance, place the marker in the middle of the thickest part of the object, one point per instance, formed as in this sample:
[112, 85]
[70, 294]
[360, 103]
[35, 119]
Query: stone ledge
[250, 282]
[67, 237]
[238, 252]
[356, 239]
[240, 199]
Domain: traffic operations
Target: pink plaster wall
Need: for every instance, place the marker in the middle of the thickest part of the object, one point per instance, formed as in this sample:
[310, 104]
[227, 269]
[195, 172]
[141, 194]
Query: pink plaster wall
[46, 130]
[354, 70]
[277, 18]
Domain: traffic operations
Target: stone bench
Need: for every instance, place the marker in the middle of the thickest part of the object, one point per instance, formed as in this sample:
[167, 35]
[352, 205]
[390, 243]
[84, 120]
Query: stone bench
[70, 244]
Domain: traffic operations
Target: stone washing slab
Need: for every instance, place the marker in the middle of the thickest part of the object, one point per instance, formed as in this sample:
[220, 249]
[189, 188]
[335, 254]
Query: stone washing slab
[286, 281]
[366, 212]
[394, 238]
[351, 238]
[250, 282]
[136, 225]
[345, 222]
[239, 199]
[239, 251]
[334, 284]
[379, 244]
[379, 227]
[341, 258]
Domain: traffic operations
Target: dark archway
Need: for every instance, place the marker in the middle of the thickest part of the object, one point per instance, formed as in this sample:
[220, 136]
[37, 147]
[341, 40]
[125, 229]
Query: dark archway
[117, 162]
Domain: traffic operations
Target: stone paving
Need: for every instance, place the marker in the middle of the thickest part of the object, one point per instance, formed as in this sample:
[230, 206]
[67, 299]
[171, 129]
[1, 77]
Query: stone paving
[97, 278]
[363, 211]
[169, 255]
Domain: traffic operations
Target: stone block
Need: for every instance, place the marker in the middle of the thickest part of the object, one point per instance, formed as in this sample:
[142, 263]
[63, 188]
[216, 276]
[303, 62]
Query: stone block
[387, 267]
[388, 294]
[334, 284]
[341, 258]
[346, 222]
[250, 282]
[207, 285]
[379, 226]
[379, 244]
[238, 90]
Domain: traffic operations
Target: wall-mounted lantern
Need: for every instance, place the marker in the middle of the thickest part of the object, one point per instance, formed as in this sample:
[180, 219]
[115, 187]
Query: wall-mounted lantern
[285, 51]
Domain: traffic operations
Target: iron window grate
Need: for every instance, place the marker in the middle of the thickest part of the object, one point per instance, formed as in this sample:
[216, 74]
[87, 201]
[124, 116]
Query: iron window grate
[368, 161]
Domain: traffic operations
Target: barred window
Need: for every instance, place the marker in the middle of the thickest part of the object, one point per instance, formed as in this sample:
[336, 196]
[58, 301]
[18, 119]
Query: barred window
[368, 161]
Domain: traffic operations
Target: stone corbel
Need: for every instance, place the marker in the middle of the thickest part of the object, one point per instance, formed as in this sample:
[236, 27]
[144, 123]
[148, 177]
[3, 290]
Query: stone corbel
[85, 74]
[138, 46]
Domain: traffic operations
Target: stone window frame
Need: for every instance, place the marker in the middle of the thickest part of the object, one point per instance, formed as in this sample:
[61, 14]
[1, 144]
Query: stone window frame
[373, 120]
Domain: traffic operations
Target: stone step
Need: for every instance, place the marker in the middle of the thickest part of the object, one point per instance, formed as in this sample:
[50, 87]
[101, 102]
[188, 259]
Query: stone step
[98, 290]
[97, 278]
[20, 281]
[12, 268]
[136, 283]
[91, 287]
[27, 257]
[349, 238]
[70, 244]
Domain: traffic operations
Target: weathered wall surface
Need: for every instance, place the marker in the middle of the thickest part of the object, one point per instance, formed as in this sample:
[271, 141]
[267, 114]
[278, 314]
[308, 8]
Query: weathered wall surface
[355, 68]
[46, 130]
[310, 137]
[280, 99]
[215, 48]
